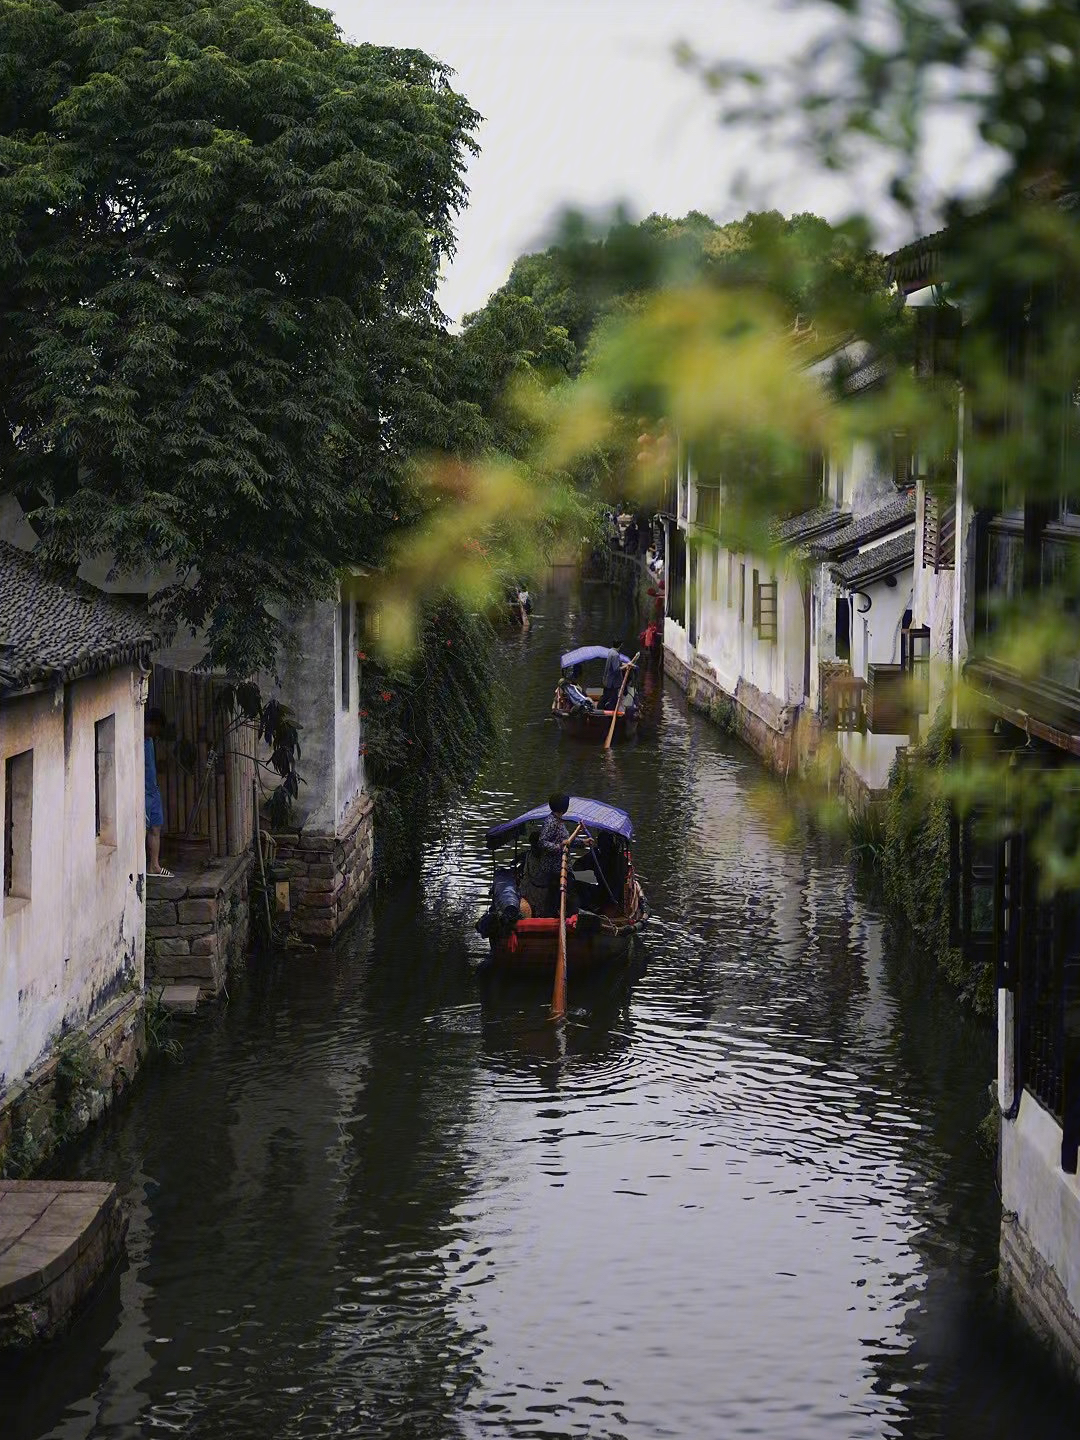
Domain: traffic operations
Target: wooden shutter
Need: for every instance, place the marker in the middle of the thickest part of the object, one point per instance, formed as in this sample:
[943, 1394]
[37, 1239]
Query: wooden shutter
[886, 700]
[939, 531]
[767, 625]
[902, 468]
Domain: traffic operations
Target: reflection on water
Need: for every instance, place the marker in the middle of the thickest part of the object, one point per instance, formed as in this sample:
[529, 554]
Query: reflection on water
[738, 1193]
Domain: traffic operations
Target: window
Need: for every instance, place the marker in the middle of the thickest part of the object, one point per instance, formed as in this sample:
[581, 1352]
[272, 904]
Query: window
[742, 591]
[838, 473]
[902, 469]
[816, 475]
[18, 824]
[886, 700]
[715, 587]
[729, 593]
[105, 780]
[843, 628]
[345, 619]
[708, 508]
[755, 602]
[915, 658]
[766, 609]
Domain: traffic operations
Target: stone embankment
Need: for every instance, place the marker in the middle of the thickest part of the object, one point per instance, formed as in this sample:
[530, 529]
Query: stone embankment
[58, 1239]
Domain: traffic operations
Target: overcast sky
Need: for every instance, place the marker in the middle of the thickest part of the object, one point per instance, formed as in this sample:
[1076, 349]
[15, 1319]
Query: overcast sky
[584, 105]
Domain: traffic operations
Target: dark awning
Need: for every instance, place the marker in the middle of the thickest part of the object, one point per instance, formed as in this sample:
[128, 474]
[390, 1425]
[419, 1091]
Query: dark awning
[594, 814]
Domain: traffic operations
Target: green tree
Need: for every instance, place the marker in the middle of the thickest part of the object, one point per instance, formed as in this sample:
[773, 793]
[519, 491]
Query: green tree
[220, 232]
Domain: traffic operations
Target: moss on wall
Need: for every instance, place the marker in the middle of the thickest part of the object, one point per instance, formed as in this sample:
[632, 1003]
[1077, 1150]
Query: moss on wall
[914, 855]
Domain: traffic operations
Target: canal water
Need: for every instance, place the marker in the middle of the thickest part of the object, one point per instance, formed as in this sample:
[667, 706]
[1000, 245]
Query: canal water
[740, 1194]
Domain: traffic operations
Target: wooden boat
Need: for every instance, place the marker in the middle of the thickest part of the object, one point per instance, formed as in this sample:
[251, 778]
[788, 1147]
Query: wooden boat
[607, 903]
[577, 707]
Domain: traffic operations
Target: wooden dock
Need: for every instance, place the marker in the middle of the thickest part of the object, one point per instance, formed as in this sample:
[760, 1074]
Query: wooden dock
[58, 1239]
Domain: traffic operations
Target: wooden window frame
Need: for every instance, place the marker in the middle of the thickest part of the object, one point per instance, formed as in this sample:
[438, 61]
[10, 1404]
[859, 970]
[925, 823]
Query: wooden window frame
[18, 826]
[105, 781]
[345, 621]
[768, 601]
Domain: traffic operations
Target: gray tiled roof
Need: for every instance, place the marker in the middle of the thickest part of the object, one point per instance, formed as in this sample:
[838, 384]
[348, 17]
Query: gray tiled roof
[887, 559]
[54, 629]
[893, 515]
[809, 525]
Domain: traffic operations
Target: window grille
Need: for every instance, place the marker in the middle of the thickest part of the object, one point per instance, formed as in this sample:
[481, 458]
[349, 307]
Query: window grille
[765, 605]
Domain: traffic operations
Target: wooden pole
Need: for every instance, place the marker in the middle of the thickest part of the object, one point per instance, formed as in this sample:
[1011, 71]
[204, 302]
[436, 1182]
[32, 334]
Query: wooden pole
[558, 996]
[618, 702]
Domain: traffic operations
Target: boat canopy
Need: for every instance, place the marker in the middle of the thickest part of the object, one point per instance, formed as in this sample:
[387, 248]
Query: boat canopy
[589, 652]
[594, 814]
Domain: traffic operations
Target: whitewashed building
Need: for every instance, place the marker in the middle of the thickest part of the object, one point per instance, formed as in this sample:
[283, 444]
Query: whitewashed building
[810, 637]
[72, 668]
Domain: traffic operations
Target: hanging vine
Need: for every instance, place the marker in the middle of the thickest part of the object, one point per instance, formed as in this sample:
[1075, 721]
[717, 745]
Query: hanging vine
[428, 724]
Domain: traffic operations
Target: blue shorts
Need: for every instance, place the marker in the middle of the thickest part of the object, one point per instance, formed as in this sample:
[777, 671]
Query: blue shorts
[155, 813]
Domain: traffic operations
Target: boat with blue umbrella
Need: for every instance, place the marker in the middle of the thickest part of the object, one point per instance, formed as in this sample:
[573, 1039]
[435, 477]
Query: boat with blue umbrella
[606, 711]
[597, 903]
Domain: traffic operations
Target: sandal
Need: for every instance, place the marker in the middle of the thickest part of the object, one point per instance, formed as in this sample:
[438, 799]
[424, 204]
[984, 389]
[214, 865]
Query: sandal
[162, 874]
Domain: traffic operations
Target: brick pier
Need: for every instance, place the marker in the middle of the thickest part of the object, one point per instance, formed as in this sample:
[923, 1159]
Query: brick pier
[329, 874]
[197, 924]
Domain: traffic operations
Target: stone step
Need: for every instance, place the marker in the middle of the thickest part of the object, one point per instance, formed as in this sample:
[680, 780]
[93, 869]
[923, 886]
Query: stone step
[181, 999]
[57, 1239]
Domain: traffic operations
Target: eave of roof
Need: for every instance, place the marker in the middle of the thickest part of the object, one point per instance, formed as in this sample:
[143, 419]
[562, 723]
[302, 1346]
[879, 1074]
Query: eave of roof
[896, 514]
[54, 628]
[877, 562]
[799, 529]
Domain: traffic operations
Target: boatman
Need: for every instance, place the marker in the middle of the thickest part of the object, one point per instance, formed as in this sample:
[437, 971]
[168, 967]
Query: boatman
[552, 838]
[612, 681]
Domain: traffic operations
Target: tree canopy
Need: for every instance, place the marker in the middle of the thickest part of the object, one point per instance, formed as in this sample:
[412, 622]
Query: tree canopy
[220, 232]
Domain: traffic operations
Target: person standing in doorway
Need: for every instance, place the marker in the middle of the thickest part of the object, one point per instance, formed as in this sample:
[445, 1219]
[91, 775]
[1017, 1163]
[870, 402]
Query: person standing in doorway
[153, 729]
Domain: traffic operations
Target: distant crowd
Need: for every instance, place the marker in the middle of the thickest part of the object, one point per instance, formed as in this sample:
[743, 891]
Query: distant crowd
[632, 536]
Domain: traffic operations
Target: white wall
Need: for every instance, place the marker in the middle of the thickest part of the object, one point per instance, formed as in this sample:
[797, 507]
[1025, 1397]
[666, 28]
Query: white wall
[330, 761]
[940, 602]
[79, 939]
[1046, 1200]
[875, 633]
[728, 639]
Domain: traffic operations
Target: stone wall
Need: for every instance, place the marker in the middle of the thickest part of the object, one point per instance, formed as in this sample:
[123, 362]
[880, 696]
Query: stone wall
[1037, 1292]
[87, 1068]
[756, 718]
[197, 925]
[329, 874]
[1040, 1227]
[790, 742]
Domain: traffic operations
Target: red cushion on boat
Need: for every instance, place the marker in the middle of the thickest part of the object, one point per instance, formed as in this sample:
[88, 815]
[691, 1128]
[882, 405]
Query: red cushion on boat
[542, 924]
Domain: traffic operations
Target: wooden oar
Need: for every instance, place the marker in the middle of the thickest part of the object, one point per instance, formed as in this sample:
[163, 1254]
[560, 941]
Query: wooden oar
[558, 995]
[618, 702]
